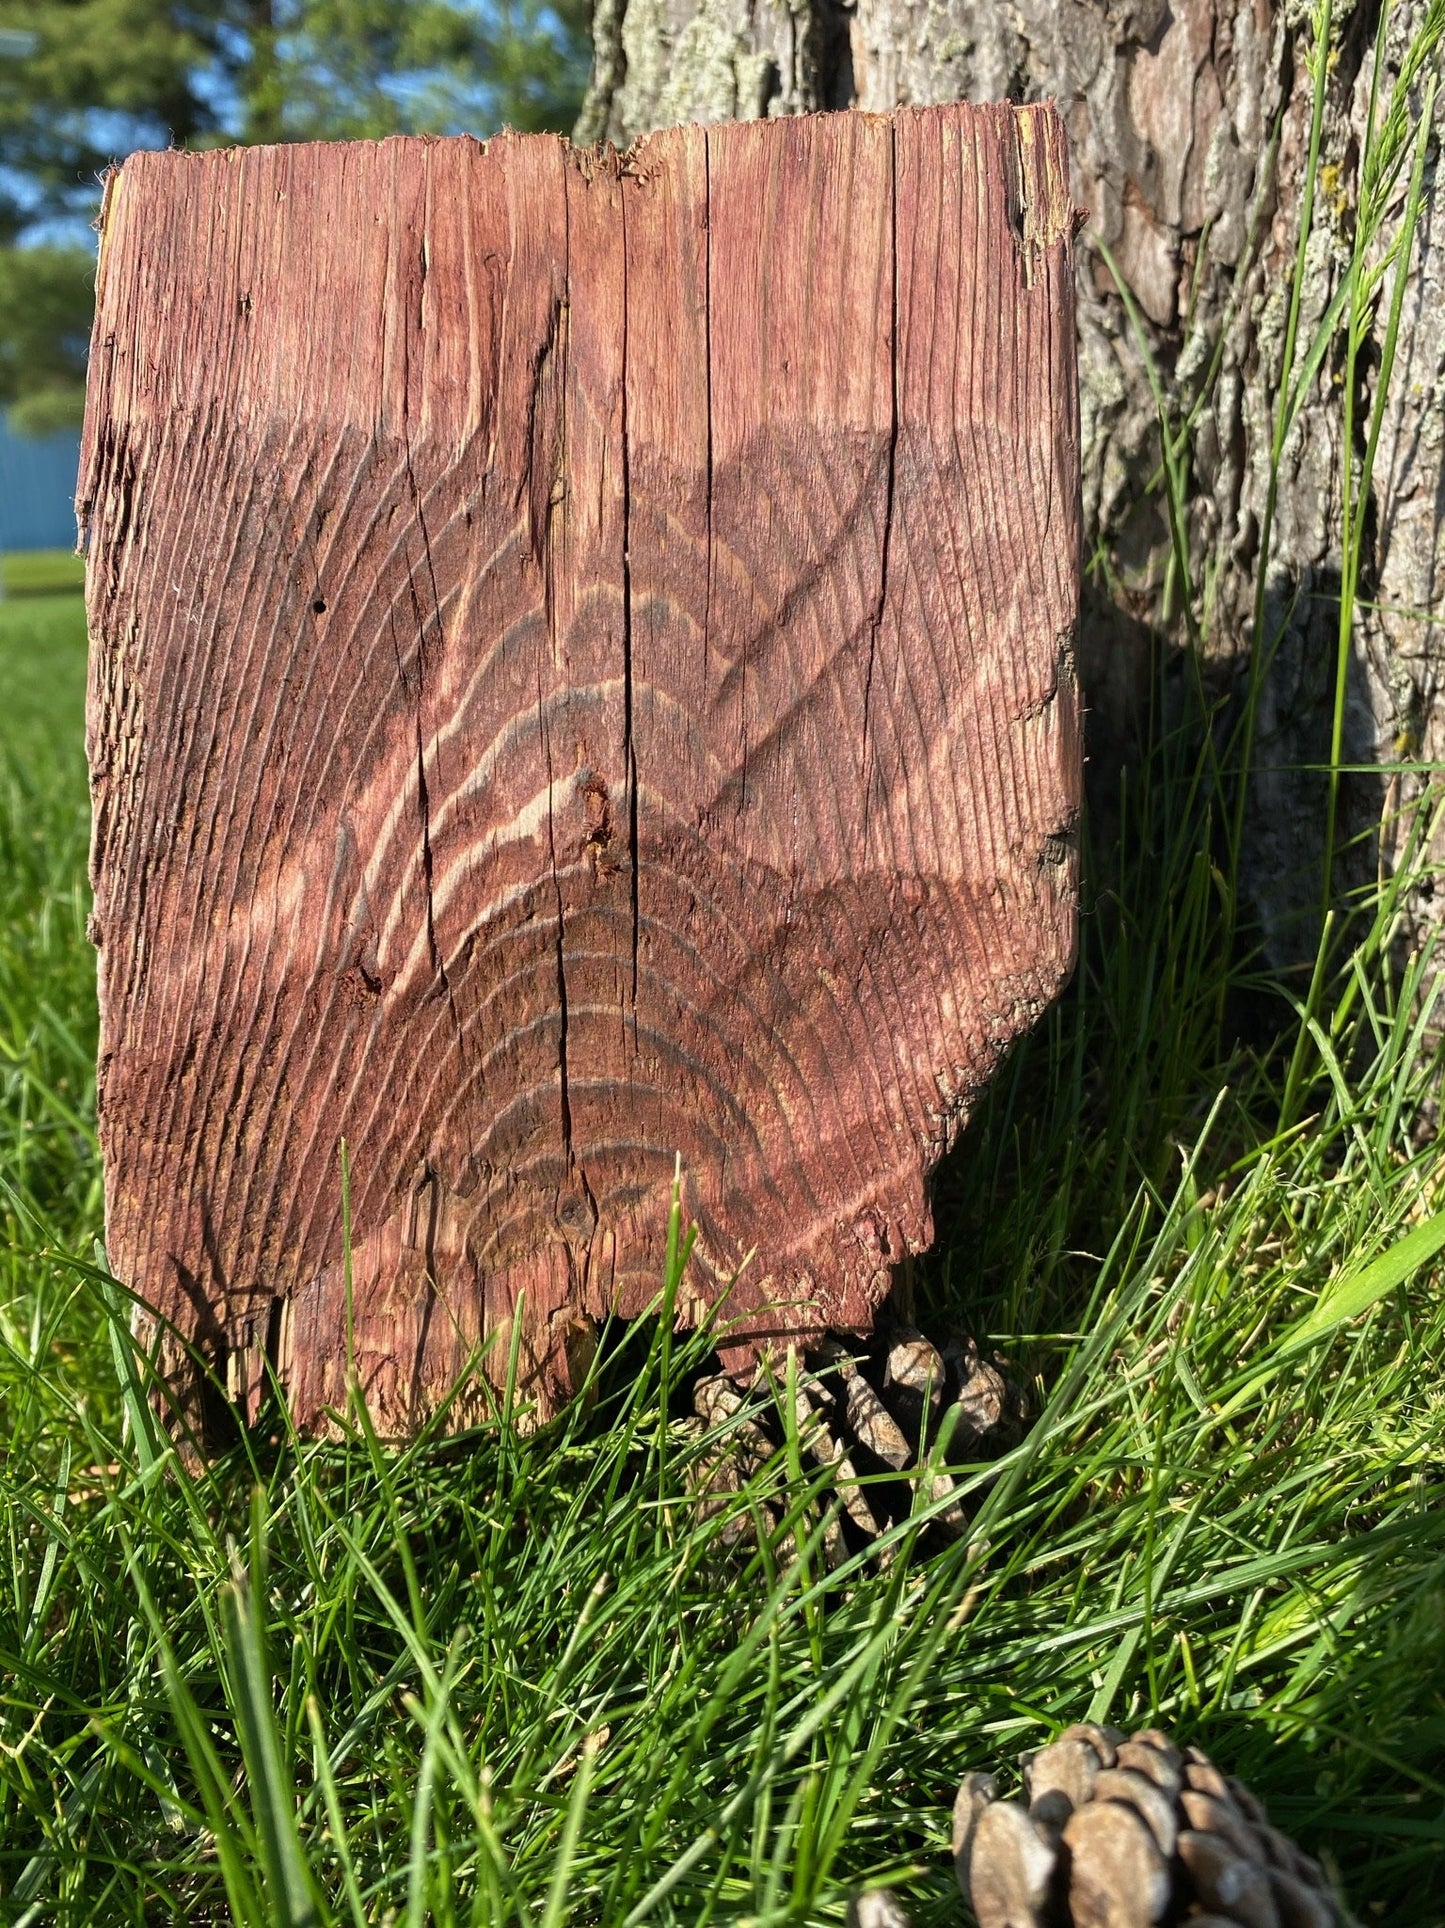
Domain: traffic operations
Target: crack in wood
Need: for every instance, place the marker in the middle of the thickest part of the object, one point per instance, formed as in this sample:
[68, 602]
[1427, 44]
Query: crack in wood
[629, 746]
[877, 623]
[438, 960]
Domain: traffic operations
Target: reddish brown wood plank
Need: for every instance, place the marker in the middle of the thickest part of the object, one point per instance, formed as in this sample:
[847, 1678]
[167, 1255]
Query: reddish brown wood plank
[581, 671]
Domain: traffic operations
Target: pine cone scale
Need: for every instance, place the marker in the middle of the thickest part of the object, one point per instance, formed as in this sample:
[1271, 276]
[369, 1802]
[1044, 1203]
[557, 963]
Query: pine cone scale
[1126, 1832]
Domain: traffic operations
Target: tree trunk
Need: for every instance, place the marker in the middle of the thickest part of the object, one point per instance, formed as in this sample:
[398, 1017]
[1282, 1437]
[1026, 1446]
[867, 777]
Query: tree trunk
[1190, 124]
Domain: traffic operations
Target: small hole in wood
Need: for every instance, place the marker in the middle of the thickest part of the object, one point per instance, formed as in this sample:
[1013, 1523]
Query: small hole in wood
[318, 608]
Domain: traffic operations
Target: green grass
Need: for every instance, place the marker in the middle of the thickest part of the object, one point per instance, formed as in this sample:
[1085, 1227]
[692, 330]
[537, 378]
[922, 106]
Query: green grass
[41, 572]
[508, 1679]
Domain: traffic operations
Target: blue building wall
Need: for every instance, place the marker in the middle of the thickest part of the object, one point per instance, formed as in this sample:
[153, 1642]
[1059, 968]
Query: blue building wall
[37, 490]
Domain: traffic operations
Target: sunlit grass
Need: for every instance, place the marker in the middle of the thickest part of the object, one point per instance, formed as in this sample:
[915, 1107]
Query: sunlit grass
[509, 1678]
[41, 572]
[506, 1670]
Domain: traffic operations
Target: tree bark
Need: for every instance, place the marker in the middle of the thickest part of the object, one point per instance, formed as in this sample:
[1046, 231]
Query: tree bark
[1189, 123]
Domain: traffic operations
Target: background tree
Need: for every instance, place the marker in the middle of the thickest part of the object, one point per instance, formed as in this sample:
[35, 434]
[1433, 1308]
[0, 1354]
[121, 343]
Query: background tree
[86, 81]
[1218, 145]
[45, 298]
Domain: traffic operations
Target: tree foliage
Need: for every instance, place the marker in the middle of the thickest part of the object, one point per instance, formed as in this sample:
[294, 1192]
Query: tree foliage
[45, 297]
[84, 82]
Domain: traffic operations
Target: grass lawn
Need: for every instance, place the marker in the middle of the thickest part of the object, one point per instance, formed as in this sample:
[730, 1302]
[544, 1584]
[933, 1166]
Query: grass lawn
[509, 1679]
[41, 572]
[521, 1680]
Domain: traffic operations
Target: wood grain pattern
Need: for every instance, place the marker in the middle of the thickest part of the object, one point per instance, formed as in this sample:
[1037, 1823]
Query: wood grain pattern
[581, 671]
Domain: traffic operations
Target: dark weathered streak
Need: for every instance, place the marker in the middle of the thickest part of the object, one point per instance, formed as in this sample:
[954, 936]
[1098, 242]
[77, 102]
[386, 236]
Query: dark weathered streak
[582, 671]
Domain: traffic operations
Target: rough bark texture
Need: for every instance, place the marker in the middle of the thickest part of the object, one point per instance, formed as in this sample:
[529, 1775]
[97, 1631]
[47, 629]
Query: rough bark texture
[1188, 122]
[582, 670]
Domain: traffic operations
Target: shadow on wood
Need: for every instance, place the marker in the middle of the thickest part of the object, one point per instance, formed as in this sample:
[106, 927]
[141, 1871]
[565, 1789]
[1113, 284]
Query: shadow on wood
[582, 670]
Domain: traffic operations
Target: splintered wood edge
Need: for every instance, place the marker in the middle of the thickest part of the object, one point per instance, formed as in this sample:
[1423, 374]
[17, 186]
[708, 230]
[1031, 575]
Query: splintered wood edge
[1047, 211]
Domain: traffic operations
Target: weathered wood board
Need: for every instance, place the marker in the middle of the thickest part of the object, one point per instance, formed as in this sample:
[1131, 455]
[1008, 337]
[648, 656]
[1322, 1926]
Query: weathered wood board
[581, 671]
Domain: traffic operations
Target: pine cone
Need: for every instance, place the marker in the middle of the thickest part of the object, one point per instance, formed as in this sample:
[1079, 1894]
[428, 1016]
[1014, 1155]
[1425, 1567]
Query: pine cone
[1119, 1832]
[865, 1411]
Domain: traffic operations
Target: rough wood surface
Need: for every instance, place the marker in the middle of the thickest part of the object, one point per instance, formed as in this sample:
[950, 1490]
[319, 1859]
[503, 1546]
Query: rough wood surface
[1189, 124]
[582, 670]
